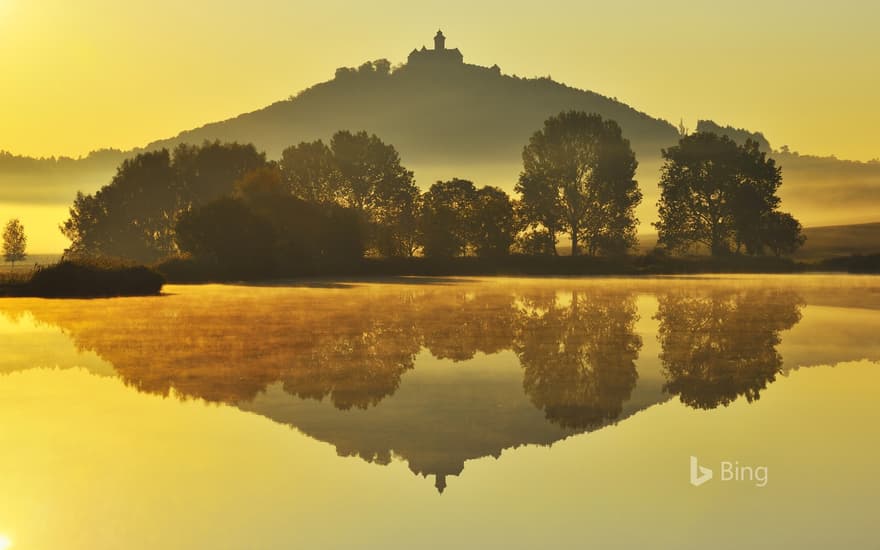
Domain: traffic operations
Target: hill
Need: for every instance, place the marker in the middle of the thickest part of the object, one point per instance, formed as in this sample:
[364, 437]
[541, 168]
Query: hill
[822, 242]
[449, 118]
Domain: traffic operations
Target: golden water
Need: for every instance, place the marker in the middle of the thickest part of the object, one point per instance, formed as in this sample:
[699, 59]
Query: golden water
[416, 413]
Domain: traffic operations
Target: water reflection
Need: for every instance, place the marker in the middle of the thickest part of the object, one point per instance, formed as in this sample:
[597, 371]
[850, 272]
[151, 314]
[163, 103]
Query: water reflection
[437, 374]
[721, 344]
[578, 357]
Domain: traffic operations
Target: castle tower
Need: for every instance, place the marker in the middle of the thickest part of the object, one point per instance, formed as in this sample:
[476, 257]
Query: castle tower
[438, 57]
[439, 41]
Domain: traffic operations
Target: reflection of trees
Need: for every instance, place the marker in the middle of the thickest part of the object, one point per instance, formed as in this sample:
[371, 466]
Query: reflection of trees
[228, 347]
[358, 362]
[721, 345]
[352, 347]
[579, 357]
[457, 325]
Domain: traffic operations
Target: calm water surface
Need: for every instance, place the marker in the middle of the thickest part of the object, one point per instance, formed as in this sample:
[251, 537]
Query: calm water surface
[415, 413]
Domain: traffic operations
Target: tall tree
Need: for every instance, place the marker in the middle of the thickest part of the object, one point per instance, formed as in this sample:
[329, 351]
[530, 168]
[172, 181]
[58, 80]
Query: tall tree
[208, 171]
[781, 233]
[579, 177]
[227, 233]
[133, 216]
[14, 242]
[494, 225]
[718, 194]
[446, 225]
[371, 179]
[309, 170]
[306, 233]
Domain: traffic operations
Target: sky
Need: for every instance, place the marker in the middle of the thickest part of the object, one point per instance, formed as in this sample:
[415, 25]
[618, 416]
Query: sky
[78, 76]
[91, 74]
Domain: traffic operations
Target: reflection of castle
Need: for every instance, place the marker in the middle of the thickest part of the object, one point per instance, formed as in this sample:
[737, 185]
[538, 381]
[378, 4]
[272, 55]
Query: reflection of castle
[438, 55]
[543, 363]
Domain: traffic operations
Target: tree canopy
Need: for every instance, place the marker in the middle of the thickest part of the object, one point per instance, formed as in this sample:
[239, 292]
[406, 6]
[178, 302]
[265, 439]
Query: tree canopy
[457, 218]
[723, 196]
[579, 178]
[134, 215]
[14, 242]
[359, 171]
[262, 227]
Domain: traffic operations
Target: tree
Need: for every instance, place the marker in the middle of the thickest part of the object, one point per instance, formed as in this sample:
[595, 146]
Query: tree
[493, 227]
[539, 211]
[369, 178]
[781, 233]
[208, 172]
[227, 233]
[260, 185]
[307, 234]
[578, 177]
[132, 217]
[83, 225]
[446, 220]
[719, 194]
[309, 171]
[14, 242]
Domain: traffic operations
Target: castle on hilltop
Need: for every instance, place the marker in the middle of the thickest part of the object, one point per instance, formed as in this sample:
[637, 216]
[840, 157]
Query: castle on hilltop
[438, 55]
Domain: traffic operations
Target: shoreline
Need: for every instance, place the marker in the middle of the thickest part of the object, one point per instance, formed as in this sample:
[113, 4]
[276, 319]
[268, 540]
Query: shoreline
[70, 279]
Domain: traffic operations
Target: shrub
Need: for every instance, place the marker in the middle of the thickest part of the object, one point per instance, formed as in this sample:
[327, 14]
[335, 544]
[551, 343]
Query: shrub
[93, 279]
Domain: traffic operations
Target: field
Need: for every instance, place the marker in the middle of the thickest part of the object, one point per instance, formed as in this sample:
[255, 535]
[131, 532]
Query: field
[822, 242]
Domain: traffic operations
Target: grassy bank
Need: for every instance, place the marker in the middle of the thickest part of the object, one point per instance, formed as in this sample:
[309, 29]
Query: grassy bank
[107, 278]
[82, 279]
[837, 241]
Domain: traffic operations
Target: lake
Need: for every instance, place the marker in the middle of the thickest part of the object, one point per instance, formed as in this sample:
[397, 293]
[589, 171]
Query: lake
[446, 413]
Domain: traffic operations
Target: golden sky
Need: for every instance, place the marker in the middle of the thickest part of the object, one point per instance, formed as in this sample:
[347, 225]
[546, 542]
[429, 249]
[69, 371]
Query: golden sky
[76, 76]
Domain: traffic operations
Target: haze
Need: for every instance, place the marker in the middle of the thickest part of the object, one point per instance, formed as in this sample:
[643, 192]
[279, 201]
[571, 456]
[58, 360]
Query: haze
[104, 74]
[97, 73]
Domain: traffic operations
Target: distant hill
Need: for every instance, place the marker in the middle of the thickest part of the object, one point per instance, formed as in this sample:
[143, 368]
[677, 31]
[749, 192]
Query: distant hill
[822, 242]
[450, 119]
[840, 240]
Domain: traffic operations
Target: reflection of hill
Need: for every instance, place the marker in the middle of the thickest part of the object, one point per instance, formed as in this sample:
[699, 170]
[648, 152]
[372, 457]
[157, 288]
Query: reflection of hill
[441, 416]
[281, 352]
[438, 374]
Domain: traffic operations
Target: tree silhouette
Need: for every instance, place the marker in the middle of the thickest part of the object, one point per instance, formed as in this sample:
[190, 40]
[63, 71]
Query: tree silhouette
[446, 220]
[722, 346]
[133, 216]
[208, 172]
[309, 236]
[782, 233]
[228, 234]
[14, 242]
[494, 224]
[578, 176]
[721, 195]
[261, 185]
[310, 173]
[360, 172]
